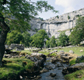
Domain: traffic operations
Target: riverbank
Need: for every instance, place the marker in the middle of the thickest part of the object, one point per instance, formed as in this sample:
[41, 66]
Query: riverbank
[21, 64]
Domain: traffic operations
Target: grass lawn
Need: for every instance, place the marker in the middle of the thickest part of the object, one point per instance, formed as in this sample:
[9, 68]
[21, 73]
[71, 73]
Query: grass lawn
[13, 67]
[75, 49]
[78, 75]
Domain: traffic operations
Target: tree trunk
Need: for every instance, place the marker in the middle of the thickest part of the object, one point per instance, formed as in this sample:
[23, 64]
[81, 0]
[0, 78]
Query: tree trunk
[3, 34]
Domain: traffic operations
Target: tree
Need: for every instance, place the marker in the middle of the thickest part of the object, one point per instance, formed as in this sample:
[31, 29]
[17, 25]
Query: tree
[68, 17]
[22, 11]
[14, 37]
[77, 35]
[52, 41]
[27, 39]
[63, 40]
[48, 43]
[38, 38]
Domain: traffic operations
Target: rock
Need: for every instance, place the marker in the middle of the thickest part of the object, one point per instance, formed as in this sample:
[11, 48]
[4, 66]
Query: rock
[65, 57]
[79, 58]
[43, 70]
[21, 77]
[54, 60]
[17, 46]
[59, 65]
[81, 50]
[36, 49]
[7, 51]
[53, 51]
[61, 51]
[38, 77]
[39, 54]
[73, 68]
[52, 74]
[50, 66]
[7, 56]
[71, 52]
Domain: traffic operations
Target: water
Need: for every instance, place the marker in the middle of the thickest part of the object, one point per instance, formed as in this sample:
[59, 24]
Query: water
[55, 68]
[52, 68]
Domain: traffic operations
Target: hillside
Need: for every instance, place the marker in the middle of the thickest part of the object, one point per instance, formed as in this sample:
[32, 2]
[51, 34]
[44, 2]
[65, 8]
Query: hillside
[57, 24]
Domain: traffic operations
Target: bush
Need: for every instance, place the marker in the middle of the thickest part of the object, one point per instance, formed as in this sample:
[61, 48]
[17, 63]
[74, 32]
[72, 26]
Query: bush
[14, 37]
[62, 40]
[27, 39]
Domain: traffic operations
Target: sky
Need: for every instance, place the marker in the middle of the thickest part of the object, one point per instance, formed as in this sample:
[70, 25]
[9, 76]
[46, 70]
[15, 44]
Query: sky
[63, 6]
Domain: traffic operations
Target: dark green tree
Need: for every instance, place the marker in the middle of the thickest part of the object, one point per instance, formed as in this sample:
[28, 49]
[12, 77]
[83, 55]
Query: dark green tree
[52, 41]
[38, 38]
[14, 37]
[47, 43]
[63, 40]
[27, 39]
[15, 14]
[77, 35]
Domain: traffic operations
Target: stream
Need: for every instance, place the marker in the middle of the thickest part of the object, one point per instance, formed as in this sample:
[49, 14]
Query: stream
[53, 68]
[52, 71]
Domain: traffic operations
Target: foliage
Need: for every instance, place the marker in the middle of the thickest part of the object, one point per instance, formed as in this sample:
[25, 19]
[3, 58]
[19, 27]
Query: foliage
[77, 35]
[57, 16]
[68, 17]
[38, 38]
[75, 75]
[14, 37]
[17, 13]
[62, 40]
[53, 55]
[52, 41]
[14, 67]
[27, 39]
[72, 62]
[47, 43]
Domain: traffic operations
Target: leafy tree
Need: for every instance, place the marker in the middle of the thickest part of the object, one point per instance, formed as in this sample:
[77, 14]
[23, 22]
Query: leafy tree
[63, 40]
[27, 39]
[48, 43]
[14, 37]
[22, 11]
[68, 17]
[38, 38]
[77, 35]
[52, 41]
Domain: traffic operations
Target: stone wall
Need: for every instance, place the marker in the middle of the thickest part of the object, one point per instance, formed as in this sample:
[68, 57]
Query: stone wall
[54, 26]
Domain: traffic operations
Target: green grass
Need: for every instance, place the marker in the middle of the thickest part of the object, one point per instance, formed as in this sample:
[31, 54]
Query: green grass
[44, 52]
[79, 74]
[53, 55]
[75, 49]
[74, 75]
[13, 67]
[72, 62]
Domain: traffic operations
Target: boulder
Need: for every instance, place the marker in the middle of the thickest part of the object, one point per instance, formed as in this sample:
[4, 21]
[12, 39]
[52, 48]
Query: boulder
[53, 51]
[54, 60]
[52, 74]
[39, 54]
[79, 58]
[73, 68]
[61, 52]
[71, 52]
[81, 50]
[17, 46]
[43, 70]
[7, 56]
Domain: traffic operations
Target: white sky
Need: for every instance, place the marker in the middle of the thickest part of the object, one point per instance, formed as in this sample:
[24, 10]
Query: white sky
[63, 6]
